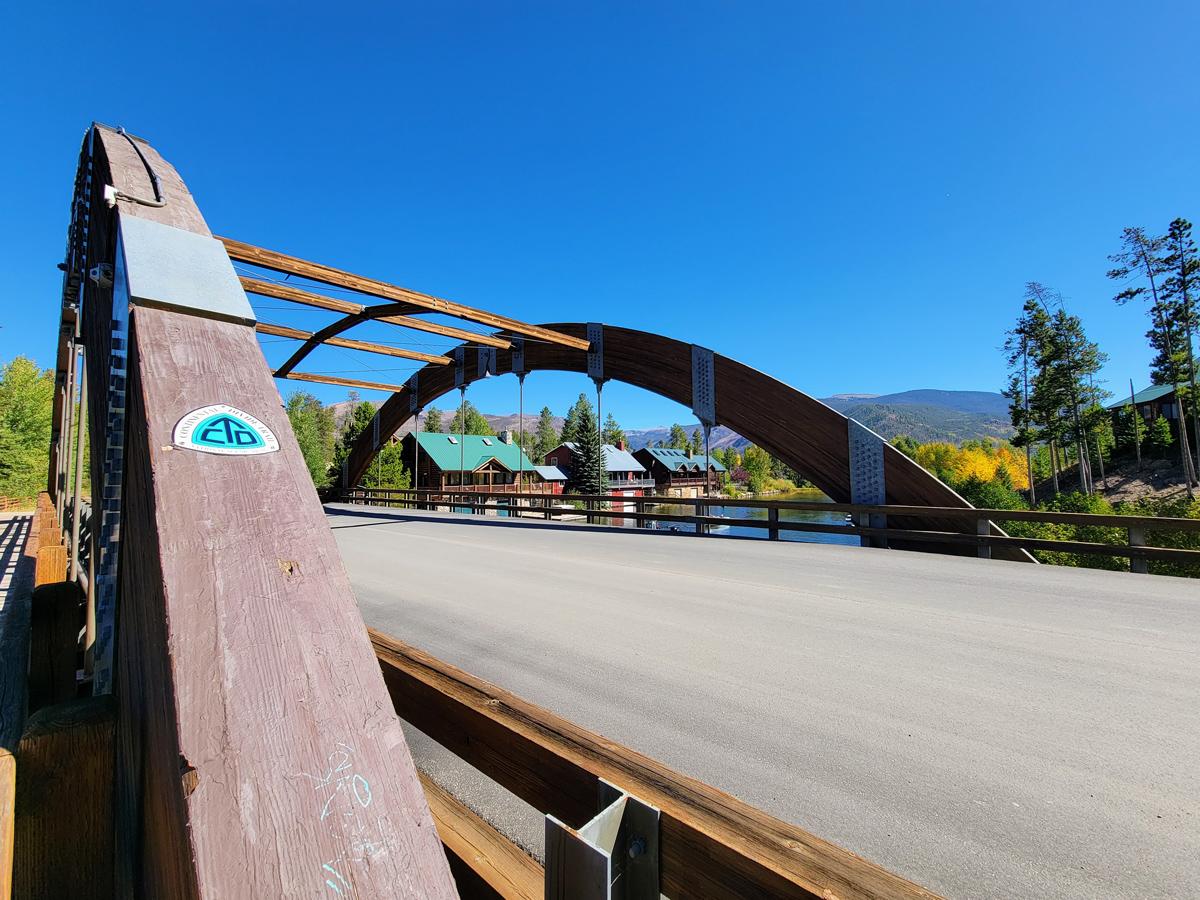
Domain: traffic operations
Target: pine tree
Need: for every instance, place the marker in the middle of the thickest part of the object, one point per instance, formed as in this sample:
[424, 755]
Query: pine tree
[613, 433]
[1142, 256]
[572, 425]
[588, 474]
[545, 437]
[697, 443]
[433, 420]
[678, 438]
[358, 421]
[1182, 269]
[1021, 346]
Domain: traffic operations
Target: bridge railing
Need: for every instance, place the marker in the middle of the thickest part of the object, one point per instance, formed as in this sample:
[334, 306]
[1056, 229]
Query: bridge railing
[896, 520]
[710, 844]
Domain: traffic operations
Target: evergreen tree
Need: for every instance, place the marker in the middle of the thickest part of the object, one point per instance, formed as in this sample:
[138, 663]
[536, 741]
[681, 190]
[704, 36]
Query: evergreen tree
[613, 433]
[358, 421]
[1128, 430]
[545, 436]
[312, 423]
[1182, 270]
[1142, 256]
[1021, 348]
[1158, 435]
[588, 474]
[26, 413]
[475, 422]
[386, 470]
[697, 443]
[678, 439]
[906, 445]
[572, 425]
[433, 420]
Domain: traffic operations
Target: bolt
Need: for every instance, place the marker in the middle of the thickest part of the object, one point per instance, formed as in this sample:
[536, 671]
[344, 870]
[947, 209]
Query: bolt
[637, 847]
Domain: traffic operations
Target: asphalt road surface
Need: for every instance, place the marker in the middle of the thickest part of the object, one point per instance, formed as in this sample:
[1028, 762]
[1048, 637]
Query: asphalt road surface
[985, 728]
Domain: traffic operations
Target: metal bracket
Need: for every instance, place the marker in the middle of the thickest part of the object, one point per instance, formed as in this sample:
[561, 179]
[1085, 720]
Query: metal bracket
[613, 856]
[595, 354]
[459, 366]
[704, 386]
[486, 364]
[866, 476]
[414, 400]
[518, 355]
[180, 270]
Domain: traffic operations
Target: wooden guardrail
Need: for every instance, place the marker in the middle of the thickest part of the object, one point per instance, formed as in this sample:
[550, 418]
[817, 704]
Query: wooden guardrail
[984, 538]
[711, 843]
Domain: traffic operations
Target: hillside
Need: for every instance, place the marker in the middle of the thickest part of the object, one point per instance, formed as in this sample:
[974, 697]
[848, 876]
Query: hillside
[925, 414]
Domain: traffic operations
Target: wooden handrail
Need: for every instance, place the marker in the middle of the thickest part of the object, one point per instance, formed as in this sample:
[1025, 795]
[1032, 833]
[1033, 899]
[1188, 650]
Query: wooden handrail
[1138, 553]
[712, 844]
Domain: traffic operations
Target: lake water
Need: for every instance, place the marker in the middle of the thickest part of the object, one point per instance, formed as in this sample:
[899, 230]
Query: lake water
[785, 515]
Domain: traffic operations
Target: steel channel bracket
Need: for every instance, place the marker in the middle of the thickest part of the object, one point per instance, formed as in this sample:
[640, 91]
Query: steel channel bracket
[613, 857]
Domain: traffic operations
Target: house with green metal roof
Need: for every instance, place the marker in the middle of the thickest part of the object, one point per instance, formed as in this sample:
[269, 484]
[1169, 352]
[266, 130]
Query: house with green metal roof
[1152, 402]
[468, 462]
[680, 473]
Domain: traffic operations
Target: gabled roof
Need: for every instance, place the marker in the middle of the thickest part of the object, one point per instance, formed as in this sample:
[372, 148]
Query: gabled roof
[1147, 395]
[468, 452]
[614, 460]
[679, 461]
[551, 473]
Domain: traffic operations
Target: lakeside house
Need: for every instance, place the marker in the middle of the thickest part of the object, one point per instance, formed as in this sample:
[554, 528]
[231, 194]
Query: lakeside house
[677, 473]
[1153, 402]
[471, 462]
[626, 476]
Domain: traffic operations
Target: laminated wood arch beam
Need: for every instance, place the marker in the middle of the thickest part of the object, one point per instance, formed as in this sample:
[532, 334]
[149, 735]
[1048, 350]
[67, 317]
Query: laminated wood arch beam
[313, 341]
[801, 431]
[297, 335]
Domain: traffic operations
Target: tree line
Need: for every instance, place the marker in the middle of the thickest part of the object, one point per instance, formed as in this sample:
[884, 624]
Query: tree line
[1056, 402]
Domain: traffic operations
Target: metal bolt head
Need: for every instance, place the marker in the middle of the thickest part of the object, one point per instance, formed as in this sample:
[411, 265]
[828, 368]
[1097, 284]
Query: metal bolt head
[637, 847]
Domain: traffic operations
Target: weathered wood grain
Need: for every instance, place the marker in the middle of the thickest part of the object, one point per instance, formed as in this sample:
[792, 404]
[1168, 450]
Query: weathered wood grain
[281, 262]
[257, 751]
[64, 841]
[506, 870]
[712, 844]
[56, 618]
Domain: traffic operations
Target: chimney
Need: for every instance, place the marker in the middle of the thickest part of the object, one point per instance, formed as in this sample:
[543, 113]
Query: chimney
[621, 445]
[506, 436]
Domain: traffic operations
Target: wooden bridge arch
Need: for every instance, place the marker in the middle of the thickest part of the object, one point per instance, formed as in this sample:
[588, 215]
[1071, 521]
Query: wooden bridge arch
[806, 434]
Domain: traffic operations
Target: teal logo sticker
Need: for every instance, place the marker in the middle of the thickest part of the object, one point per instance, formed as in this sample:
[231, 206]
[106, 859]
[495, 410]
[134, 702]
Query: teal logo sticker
[224, 430]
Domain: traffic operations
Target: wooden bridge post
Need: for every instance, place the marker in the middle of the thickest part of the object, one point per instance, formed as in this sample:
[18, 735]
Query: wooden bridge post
[1138, 563]
[256, 750]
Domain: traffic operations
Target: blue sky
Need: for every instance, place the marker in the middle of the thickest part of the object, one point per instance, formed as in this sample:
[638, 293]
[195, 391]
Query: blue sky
[848, 198]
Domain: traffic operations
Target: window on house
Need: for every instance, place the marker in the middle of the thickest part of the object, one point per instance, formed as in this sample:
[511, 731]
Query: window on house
[554, 460]
[452, 439]
[487, 442]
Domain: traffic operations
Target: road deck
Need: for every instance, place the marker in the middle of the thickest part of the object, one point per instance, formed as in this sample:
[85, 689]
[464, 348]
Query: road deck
[985, 728]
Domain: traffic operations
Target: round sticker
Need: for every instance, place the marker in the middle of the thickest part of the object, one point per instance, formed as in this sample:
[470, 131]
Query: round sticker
[225, 430]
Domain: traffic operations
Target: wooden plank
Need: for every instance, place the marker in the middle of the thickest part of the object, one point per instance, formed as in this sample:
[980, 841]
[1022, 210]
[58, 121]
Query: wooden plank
[56, 619]
[345, 382]
[297, 335]
[257, 755]
[507, 870]
[281, 262]
[295, 295]
[51, 564]
[64, 841]
[18, 556]
[712, 844]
